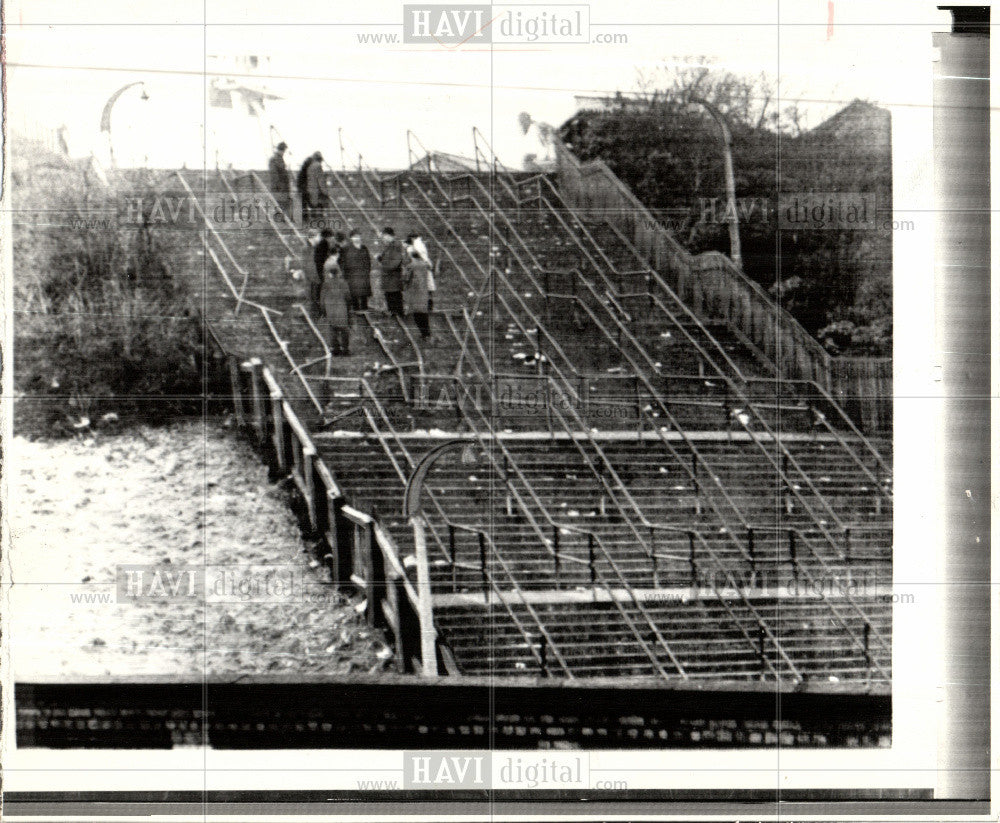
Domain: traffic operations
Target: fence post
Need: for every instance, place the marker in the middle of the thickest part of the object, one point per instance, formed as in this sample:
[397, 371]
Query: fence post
[236, 383]
[482, 567]
[792, 553]
[334, 538]
[867, 647]
[278, 416]
[761, 639]
[454, 558]
[425, 603]
[257, 400]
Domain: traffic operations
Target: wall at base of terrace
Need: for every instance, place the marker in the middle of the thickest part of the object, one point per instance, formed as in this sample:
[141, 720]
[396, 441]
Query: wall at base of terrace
[446, 713]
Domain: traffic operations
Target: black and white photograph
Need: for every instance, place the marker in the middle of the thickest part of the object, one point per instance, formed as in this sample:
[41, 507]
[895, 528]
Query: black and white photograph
[491, 403]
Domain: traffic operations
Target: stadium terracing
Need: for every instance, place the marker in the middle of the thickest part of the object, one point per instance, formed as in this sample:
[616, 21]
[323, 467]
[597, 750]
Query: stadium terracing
[614, 462]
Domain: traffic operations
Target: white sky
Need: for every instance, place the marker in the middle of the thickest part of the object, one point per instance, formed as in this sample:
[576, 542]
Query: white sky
[878, 50]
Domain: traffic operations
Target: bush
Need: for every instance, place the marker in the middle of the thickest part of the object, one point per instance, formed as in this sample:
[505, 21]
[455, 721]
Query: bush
[104, 325]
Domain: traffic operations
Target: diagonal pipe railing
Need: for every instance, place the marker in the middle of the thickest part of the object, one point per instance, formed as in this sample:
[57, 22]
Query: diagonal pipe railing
[804, 541]
[614, 292]
[481, 535]
[592, 538]
[811, 386]
[446, 222]
[787, 458]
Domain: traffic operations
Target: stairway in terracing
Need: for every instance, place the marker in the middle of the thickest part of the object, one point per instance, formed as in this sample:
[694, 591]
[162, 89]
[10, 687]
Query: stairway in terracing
[640, 495]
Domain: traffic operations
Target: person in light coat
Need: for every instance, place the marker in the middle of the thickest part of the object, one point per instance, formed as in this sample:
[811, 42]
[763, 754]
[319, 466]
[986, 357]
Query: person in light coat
[417, 244]
[415, 279]
[335, 308]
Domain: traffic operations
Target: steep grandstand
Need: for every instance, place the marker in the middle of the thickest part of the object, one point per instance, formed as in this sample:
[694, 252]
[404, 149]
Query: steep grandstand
[639, 484]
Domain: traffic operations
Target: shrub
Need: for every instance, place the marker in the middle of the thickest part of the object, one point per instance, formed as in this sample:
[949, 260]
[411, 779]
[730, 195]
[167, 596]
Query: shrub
[104, 324]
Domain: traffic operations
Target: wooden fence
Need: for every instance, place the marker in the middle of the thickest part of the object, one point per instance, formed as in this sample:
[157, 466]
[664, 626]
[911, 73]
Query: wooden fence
[863, 387]
[357, 550]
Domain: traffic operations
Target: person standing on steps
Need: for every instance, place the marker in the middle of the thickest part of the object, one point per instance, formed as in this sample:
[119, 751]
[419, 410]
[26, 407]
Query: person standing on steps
[321, 253]
[310, 183]
[416, 242]
[356, 262]
[335, 307]
[391, 261]
[281, 182]
[416, 281]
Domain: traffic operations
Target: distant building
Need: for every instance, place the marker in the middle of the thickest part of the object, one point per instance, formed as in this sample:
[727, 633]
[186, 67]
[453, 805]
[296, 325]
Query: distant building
[240, 131]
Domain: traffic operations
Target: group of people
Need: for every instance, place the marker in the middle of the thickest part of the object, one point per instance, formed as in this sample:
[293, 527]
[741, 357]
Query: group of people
[315, 200]
[341, 282]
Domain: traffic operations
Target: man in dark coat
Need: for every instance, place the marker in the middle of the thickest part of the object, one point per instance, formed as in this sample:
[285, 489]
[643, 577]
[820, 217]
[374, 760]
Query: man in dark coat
[322, 248]
[392, 260]
[281, 181]
[356, 263]
[310, 183]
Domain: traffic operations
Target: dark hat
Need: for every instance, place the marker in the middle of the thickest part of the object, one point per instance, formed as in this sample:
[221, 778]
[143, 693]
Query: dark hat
[318, 155]
[282, 146]
[389, 230]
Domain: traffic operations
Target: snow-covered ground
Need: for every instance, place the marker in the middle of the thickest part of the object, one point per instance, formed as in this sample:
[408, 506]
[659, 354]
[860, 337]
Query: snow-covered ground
[189, 496]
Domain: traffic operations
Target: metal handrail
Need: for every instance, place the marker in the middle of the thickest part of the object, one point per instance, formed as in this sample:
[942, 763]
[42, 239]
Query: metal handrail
[267, 212]
[293, 366]
[411, 137]
[511, 463]
[654, 276]
[720, 566]
[624, 331]
[212, 230]
[495, 163]
[498, 278]
[229, 283]
[394, 363]
[441, 513]
[327, 355]
[289, 222]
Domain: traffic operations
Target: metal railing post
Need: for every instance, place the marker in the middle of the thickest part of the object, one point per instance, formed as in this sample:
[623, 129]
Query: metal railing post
[482, 566]
[454, 557]
[555, 554]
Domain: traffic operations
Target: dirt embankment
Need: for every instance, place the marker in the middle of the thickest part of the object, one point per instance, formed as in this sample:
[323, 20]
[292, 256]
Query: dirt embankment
[188, 502]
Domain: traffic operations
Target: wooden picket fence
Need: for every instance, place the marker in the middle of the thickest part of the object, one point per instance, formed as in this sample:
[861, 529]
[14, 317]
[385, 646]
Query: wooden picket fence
[358, 551]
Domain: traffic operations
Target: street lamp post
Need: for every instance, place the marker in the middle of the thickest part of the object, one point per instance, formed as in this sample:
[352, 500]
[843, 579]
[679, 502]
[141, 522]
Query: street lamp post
[106, 113]
[413, 513]
[732, 217]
